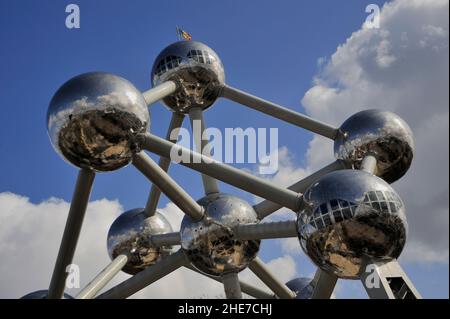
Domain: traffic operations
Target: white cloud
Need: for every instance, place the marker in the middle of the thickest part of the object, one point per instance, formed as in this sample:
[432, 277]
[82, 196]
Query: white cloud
[30, 235]
[401, 67]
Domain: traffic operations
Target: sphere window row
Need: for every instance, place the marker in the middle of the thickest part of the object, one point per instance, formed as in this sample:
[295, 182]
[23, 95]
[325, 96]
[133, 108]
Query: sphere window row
[168, 63]
[337, 210]
[200, 56]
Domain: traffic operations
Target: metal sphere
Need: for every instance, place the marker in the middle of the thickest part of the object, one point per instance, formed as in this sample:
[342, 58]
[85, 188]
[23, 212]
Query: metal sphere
[92, 120]
[42, 294]
[303, 287]
[197, 70]
[349, 217]
[209, 243]
[130, 234]
[382, 133]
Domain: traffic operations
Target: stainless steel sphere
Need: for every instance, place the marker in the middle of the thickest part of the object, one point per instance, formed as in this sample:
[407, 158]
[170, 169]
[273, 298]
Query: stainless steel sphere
[197, 70]
[303, 287]
[349, 217]
[209, 243]
[130, 234]
[383, 133]
[42, 294]
[93, 118]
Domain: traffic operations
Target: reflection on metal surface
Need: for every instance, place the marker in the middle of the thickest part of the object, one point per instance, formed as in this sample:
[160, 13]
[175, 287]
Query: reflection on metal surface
[93, 118]
[42, 294]
[303, 287]
[196, 68]
[382, 133]
[130, 235]
[349, 217]
[209, 243]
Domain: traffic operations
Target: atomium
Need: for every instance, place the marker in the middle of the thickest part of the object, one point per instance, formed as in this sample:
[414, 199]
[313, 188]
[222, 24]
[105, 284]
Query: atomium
[92, 119]
[345, 218]
[130, 235]
[348, 218]
[381, 133]
[196, 69]
[210, 245]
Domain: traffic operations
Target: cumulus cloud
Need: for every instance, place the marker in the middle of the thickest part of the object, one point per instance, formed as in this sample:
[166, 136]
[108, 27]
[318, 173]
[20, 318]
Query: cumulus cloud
[30, 235]
[401, 67]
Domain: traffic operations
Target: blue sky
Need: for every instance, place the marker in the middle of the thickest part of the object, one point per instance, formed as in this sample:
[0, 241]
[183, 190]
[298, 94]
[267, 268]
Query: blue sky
[268, 48]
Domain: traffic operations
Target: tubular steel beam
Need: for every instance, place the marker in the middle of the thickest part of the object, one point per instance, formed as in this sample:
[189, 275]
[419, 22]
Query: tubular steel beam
[168, 239]
[279, 112]
[283, 229]
[196, 115]
[164, 163]
[267, 207]
[102, 279]
[261, 271]
[369, 164]
[71, 233]
[223, 172]
[168, 186]
[245, 288]
[146, 277]
[159, 92]
[324, 284]
[231, 285]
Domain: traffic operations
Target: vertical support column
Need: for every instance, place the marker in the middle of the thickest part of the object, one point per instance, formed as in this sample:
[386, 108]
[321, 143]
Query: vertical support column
[164, 163]
[71, 233]
[324, 284]
[198, 127]
[231, 285]
[387, 280]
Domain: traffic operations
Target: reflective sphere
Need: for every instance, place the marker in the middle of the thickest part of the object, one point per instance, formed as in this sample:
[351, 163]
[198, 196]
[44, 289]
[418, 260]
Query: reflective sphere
[42, 294]
[349, 217]
[209, 243]
[93, 118]
[196, 68]
[303, 287]
[130, 235]
[383, 133]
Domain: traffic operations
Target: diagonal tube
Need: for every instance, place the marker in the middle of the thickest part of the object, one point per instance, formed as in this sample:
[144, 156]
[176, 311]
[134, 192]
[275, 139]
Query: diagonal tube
[103, 278]
[267, 207]
[71, 233]
[261, 271]
[159, 92]
[228, 174]
[146, 277]
[168, 186]
[164, 163]
[279, 112]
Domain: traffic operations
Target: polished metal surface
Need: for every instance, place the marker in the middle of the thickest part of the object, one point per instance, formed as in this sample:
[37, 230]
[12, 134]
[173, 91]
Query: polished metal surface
[92, 120]
[197, 70]
[209, 243]
[382, 133]
[302, 287]
[349, 217]
[130, 235]
[42, 294]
